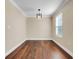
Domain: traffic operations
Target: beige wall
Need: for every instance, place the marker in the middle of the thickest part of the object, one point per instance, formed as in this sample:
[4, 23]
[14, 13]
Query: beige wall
[67, 39]
[39, 28]
[15, 26]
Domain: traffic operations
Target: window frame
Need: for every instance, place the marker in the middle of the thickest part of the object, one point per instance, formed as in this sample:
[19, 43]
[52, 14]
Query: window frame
[59, 25]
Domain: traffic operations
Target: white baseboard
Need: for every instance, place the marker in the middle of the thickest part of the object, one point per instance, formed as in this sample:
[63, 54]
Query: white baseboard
[49, 38]
[11, 50]
[68, 51]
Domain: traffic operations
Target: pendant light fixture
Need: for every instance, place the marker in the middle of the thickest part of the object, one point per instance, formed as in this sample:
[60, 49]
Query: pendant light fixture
[39, 14]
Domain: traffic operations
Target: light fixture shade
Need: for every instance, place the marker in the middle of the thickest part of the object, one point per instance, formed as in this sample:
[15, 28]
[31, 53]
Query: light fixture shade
[39, 15]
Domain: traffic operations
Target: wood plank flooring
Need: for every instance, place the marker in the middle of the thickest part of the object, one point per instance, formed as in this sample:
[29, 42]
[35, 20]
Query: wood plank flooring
[39, 49]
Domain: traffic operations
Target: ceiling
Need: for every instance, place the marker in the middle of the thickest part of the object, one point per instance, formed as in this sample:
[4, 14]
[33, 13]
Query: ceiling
[30, 7]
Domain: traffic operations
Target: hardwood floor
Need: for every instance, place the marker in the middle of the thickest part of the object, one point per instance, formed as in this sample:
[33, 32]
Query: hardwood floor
[39, 49]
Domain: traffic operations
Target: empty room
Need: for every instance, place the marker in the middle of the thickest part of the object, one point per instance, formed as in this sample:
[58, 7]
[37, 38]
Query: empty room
[38, 29]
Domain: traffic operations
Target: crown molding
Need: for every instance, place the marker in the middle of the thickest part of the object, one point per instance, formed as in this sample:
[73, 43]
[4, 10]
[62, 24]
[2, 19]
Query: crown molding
[14, 4]
[61, 6]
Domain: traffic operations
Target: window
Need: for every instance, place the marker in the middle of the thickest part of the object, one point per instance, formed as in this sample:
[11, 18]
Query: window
[59, 31]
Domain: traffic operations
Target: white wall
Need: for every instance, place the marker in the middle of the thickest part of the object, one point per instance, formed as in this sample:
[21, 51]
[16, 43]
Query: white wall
[38, 28]
[67, 39]
[15, 26]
